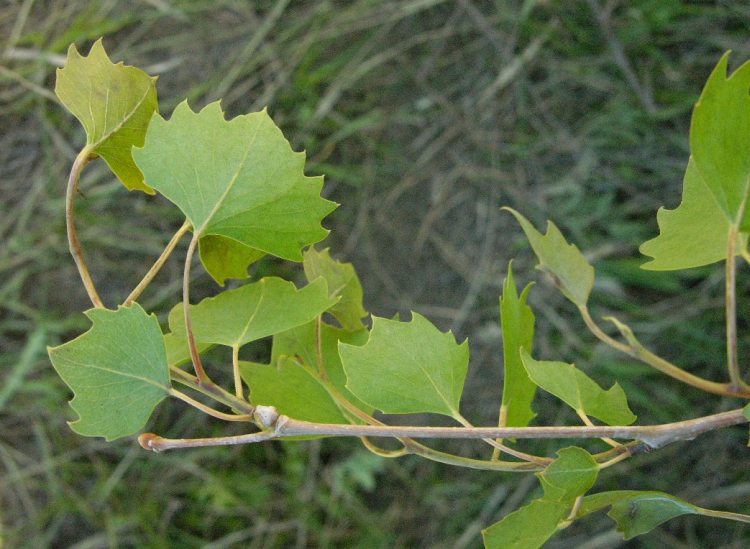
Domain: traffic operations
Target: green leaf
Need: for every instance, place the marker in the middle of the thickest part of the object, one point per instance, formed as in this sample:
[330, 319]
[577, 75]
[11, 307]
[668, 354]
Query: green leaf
[720, 140]
[638, 512]
[407, 367]
[237, 179]
[571, 475]
[579, 391]
[746, 412]
[528, 527]
[693, 234]
[302, 342]
[114, 103]
[569, 270]
[342, 281]
[226, 258]
[292, 390]
[177, 347]
[253, 311]
[117, 370]
[517, 321]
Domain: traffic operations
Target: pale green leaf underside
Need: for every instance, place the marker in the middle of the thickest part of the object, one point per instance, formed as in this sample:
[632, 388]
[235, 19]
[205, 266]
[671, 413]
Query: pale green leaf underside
[720, 140]
[253, 311]
[114, 103]
[407, 367]
[693, 234]
[342, 282]
[302, 342]
[117, 370]
[566, 265]
[579, 391]
[637, 512]
[517, 320]
[292, 390]
[237, 179]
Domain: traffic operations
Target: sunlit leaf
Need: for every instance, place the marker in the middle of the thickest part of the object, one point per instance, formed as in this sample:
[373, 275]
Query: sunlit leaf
[517, 322]
[342, 281]
[238, 179]
[253, 311]
[579, 391]
[289, 387]
[114, 103]
[226, 258]
[117, 370]
[693, 234]
[407, 367]
[302, 342]
[720, 140]
[572, 474]
[569, 270]
[528, 527]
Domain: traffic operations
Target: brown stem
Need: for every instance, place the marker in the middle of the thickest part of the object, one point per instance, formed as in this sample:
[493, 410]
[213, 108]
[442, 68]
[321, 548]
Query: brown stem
[210, 389]
[194, 356]
[735, 379]
[73, 244]
[156, 267]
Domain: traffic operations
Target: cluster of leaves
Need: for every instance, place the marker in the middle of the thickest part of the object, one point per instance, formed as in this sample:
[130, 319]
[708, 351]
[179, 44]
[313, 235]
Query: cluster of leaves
[244, 194]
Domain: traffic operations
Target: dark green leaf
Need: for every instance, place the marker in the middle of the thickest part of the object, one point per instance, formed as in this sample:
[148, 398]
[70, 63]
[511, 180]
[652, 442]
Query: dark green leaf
[226, 258]
[527, 528]
[571, 475]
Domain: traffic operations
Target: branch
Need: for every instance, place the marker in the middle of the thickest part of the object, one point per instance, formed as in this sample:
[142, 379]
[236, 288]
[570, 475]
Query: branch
[277, 426]
[730, 303]
[73, 244]
[158, 264]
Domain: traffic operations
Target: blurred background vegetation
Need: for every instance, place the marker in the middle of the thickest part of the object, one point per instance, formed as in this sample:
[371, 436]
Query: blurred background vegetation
[425, 116]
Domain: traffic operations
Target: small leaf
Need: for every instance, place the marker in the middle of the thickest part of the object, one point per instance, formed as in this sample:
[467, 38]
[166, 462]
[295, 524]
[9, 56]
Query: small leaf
[579, 391]
[407, 367]
[719, 139]
[117, 370]
[342, 281]
[517, 321]
[292, 390]
[253, 311]
[238, 179]
[528, 527]
[569, 270]
[114, 103]
[302, 342]
[571, 475]
[746, 412]
[226, 258]
[693, 234]
[637, 512]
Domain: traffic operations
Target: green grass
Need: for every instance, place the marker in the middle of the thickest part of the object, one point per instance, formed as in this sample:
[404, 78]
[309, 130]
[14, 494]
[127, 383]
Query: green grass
[425, 116]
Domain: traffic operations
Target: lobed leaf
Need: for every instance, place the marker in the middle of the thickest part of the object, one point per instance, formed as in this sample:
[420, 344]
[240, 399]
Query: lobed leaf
[237, 179]
[517, 320]
[570, 271]
[253, 311]
[579, 391]
[226, 258]
[342, 282]
[407, 367]
[693, 234]
[720, 141]
[114, 103]
[117, 370]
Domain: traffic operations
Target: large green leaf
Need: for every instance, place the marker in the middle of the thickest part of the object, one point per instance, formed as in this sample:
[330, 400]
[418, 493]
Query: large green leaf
[253, 311]
[291, 389]
[571, 475]
[517, 321]
[528, 527]
[302, 342]
[579, 391]
[226, 258]
[342, 281]
[720, 140]
[637, 512]
[114, 103]
[693, 234]
[407, 367]
[569, 270]
[238, 179]
[117, 370]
